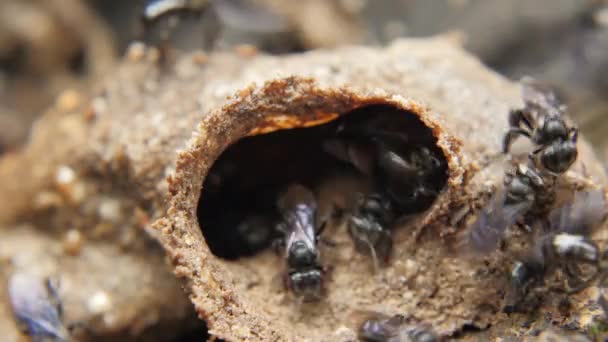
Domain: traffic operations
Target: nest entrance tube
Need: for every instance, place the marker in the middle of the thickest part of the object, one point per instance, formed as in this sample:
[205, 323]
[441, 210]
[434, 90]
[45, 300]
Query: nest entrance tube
[237, 207]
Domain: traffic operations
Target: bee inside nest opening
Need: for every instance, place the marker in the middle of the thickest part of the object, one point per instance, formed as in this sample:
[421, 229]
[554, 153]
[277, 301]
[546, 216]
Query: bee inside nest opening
[391, 147]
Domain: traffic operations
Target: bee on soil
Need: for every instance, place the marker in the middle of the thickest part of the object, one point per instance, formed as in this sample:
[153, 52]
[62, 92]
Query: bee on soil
[524, 277]
[37, 308]
[369, 227]
[564, 246]
[542, 120]
[382, 328]
[405, 170]
[525, 190]
[304, 272]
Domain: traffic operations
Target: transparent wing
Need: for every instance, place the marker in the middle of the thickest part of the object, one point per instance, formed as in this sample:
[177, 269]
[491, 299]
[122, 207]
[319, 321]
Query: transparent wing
[539, 95]
[489, 228]
[379, 327]
[581, 215]
[33, 306]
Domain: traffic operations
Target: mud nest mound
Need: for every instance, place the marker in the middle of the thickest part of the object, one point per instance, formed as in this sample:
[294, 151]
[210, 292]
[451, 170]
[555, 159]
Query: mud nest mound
[192, 151]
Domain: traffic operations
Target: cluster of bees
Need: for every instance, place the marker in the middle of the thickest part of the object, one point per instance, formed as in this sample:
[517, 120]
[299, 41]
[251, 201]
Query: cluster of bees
[401, 178]
[560, 237]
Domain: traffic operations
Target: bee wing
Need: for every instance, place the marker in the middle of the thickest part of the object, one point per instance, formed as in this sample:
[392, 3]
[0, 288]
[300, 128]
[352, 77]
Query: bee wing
[375, 326]
[538, 94]
[488, 229]
[298, 207]
[581, 215]
[32, 305]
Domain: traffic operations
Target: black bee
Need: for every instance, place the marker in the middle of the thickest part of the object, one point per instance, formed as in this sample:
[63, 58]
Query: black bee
[524, 276]
[369, 227]
[524, 189]
[394, 329]
[563, 251]
[304, 272]
[542, 121]
[37, 308]
[565, 246]
[409, 177]
[407, 171]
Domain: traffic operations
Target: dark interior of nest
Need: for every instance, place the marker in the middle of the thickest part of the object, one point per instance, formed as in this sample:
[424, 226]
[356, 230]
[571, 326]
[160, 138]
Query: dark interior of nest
[237, 210]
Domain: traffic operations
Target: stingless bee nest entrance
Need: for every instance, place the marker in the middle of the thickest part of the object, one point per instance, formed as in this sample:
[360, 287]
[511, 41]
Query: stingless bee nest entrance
[291, 193]
[237, 210]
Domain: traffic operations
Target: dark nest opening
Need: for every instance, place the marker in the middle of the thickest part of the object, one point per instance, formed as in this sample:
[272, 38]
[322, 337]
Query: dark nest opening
[237, 208]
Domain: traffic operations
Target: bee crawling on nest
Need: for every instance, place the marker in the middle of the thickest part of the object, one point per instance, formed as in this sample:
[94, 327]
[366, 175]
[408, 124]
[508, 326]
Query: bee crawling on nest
[543, 121]
[529, 187]
[564, 245]
[404, 170]
[559, 238]
[525, 190]
[305, 274]
[370, 227]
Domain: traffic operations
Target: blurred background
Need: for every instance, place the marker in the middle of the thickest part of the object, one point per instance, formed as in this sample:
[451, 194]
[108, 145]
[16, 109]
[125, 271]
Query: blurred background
[47, 46]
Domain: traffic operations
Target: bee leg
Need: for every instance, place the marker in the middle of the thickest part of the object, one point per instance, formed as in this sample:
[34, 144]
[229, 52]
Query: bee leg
[278, 246]
[322, 227]
[510, 137]
[517, 117]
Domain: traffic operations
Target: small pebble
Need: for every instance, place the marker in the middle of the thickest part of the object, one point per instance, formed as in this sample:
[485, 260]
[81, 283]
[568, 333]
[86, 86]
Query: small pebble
[68, 100]
[109, 210]
[136, 52]
[200, 58]
[47, 199]
[99, 303]
[246, 50]
[65, 175]
[344, 334]
[73, 242]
